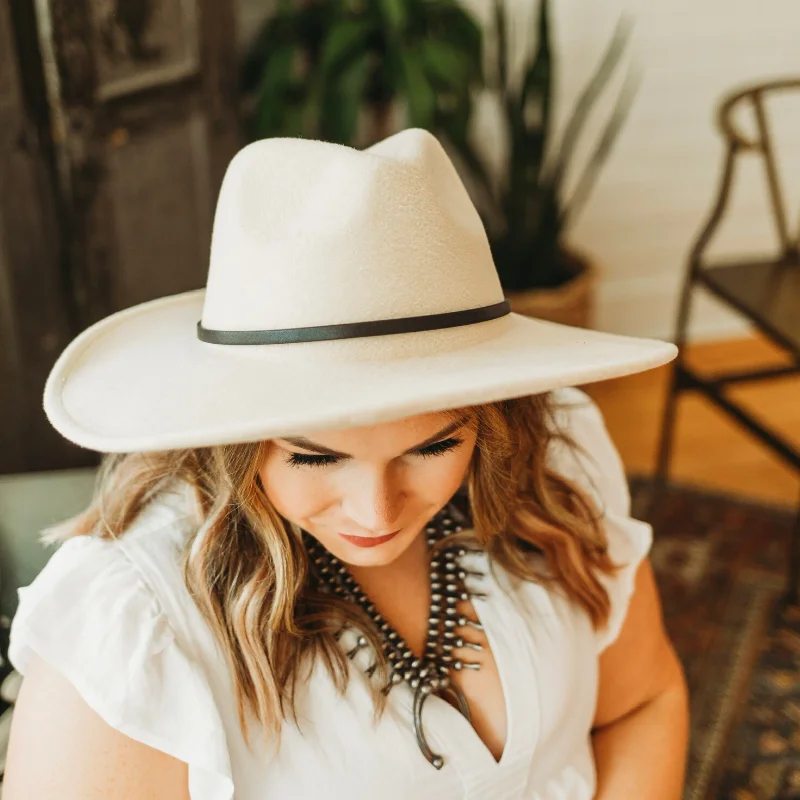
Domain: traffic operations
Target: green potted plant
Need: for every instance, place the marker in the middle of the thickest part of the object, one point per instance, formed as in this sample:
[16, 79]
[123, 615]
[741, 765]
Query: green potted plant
[336, 69]
[525, 208]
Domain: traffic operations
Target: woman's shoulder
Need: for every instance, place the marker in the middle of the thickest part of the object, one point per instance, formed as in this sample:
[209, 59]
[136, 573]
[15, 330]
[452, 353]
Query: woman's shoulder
[109, 615]
[586, 453]
[595, 466]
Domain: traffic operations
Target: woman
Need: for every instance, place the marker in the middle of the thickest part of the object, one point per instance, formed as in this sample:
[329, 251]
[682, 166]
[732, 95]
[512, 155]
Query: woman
[355, 539]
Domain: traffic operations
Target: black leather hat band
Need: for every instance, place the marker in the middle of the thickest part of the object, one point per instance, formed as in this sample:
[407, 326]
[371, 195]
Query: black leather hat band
[355, 330]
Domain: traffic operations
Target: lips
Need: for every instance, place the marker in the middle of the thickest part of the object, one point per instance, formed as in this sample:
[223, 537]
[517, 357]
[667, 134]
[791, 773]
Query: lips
[368, 541]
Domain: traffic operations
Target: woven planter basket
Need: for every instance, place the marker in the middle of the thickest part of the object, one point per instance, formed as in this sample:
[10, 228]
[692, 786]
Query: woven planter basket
[570, 304]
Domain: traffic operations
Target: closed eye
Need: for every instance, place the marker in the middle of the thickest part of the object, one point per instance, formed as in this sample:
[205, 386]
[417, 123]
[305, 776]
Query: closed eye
[439, 448]
[431, 450]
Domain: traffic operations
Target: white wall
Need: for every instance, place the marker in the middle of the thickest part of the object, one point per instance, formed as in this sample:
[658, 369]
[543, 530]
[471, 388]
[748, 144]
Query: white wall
[657, 188]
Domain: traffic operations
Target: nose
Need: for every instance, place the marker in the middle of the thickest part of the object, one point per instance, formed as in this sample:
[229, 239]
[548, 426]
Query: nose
[375, 503]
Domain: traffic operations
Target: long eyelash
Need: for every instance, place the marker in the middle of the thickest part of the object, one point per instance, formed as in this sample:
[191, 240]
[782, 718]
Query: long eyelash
[304, 460]
[439, 448]
[435, 449]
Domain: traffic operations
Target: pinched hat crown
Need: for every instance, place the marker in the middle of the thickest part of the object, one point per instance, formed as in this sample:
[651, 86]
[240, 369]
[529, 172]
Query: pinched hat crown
[316, 234]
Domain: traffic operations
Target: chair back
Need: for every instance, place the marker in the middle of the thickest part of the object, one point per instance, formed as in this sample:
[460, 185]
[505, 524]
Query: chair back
[760, 141]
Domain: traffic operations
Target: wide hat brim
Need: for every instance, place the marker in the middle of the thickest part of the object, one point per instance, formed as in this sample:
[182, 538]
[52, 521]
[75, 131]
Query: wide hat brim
[141, 380]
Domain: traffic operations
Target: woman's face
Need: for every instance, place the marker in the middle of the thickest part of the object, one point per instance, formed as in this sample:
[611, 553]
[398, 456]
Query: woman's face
[365, 493]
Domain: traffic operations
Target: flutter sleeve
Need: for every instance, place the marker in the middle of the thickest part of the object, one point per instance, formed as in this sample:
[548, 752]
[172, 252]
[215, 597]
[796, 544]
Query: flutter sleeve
[597, 468]
[90, 615]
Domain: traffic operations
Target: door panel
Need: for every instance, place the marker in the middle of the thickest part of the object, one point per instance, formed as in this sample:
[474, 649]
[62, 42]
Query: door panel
[116, 209]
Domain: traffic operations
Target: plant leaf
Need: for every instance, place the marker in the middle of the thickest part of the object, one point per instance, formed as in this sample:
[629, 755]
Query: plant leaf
[419, 94]
[586, 183]
[603, 73]
[443, 20]
[537, 87]
[395, 14]
[344, 42]
[343, 102]
[501, 34]
[274, 90]
[276, 32]
[444, 64]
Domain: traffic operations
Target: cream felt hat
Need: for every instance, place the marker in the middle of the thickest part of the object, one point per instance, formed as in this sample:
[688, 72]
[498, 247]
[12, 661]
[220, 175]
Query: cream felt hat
[345, 288]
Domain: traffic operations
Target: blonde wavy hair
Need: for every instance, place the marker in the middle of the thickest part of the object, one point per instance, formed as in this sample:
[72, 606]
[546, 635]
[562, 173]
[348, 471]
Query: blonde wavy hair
[249, 573]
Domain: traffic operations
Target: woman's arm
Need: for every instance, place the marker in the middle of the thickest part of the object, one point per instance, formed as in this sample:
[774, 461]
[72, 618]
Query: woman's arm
[62, 750]
[641, 727]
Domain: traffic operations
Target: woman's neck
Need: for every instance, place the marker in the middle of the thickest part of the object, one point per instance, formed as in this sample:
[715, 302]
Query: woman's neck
[401, 591]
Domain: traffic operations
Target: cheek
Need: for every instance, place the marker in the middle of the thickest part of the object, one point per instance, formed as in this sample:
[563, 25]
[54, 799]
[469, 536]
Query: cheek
[437, 479]
[295, 493]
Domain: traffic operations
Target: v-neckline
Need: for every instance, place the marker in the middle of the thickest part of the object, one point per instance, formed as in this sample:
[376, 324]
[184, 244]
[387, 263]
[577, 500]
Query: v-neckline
[502, 672]
[452, 735]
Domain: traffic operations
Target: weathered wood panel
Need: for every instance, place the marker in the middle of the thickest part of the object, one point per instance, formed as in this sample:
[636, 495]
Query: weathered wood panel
[34, 317]
[114, 205]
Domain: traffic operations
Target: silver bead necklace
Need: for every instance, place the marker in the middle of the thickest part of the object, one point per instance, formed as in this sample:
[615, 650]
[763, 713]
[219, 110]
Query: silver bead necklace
[429, 674]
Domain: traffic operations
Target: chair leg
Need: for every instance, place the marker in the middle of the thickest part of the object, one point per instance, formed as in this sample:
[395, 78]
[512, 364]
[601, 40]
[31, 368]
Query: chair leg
[793, 591]
[671, 403]
[665, 444]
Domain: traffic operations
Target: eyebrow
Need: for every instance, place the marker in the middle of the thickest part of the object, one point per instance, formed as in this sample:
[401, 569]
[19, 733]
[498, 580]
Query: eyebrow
[307, 444]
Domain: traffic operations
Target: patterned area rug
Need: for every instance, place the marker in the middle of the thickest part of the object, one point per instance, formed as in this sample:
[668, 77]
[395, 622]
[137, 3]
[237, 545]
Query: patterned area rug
[721, 566]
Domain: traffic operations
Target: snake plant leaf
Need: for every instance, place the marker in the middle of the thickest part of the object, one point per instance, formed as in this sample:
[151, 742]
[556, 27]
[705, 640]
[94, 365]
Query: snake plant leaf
[535, 98]
[591, 92]
[501, 60]
[585, 184]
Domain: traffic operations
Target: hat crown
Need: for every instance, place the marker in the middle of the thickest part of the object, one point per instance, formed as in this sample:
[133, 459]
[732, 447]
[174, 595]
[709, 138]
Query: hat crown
[310, 233]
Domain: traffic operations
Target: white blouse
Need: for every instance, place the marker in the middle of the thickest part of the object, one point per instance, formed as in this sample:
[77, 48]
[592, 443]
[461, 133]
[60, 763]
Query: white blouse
[117, 620]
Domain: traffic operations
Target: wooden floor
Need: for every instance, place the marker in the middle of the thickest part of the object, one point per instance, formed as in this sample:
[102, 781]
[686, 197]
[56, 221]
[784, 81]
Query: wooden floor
[710, 448]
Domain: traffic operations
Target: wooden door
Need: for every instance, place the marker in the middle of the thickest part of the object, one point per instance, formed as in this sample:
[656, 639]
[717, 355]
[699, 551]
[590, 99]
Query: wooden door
[142, 110]
[34, 308]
